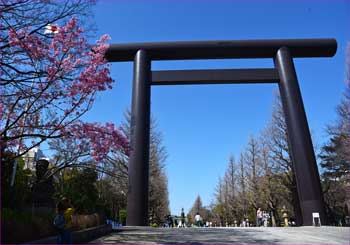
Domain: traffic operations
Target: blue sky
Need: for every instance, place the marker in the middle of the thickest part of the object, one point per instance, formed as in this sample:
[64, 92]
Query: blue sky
[203, 125]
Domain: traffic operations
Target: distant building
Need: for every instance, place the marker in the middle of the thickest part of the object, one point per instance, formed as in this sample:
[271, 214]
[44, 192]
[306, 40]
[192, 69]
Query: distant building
[31, 156]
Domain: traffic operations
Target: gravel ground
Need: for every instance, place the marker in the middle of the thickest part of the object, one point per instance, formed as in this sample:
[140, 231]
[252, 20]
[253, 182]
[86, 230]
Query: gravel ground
[236, 235]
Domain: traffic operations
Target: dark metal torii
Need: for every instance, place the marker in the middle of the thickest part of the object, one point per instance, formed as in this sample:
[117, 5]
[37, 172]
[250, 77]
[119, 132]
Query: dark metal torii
[282, 51]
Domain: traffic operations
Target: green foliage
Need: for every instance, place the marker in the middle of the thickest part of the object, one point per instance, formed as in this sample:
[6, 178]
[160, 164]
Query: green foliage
[11, 214]
[335, 161]
[21, 195]
[25, 217]
[112, 196]
[122, 216]
[80, 187]
[218, 209]
[252, 216]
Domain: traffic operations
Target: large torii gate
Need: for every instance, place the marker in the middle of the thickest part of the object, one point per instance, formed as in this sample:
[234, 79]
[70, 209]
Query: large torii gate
[282, 51]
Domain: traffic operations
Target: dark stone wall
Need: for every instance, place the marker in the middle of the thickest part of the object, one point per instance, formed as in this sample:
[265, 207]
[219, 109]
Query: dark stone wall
[79, 237]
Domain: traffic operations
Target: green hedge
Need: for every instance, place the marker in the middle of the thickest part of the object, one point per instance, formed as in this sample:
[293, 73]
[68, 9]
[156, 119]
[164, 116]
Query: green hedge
[122, 216]
[24, 217]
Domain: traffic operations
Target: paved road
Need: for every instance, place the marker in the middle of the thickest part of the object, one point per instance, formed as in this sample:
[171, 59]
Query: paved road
[249, 235]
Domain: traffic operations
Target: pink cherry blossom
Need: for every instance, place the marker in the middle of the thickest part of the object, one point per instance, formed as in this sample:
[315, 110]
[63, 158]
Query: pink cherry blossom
[52, 83]
[102, 139]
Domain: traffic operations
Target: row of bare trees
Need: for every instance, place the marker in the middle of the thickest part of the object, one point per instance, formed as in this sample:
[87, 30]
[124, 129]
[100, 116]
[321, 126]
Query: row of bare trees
[263, 175]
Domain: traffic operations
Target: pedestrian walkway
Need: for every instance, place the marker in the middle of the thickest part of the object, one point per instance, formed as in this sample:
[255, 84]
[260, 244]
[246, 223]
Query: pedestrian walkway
[235, 235]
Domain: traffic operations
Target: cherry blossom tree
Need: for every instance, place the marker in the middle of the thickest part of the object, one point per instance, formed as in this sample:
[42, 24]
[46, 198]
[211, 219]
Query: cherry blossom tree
[90, 145]
[50, 75]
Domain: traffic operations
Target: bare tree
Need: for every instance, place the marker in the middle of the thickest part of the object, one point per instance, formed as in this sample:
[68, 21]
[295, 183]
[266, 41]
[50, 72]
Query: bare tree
[280, 156]
[217, 206]
[253, 165]
[225, 207]
[271, 185]
[158, 182]
[242, 189]
[231, 176]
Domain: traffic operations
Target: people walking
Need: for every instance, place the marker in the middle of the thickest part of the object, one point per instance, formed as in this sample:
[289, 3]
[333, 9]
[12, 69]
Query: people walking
[169, 221]
[259, 216]
[59, 222]
[198, 220]
[266, 217]
[182, 218]
[67, 214]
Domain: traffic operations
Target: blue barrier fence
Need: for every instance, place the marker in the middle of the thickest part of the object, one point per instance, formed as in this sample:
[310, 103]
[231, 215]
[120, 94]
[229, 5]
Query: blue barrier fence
[114, 224]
